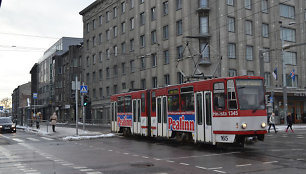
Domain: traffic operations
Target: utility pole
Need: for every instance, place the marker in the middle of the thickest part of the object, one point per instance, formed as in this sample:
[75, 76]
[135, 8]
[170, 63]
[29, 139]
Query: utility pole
[76, 105]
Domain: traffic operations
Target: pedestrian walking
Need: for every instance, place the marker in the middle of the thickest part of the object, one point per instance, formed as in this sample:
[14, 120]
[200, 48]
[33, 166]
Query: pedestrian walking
[289, 122]
[37, 119]
[272, 122]
[53, 120]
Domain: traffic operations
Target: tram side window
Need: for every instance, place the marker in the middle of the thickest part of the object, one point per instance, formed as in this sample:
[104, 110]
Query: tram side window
[208, 108]
[187, 99]
[219, 96]
[173, 100]
[231, 95]
[199, 109]
[120, 105]
[153, 102]
[112, 108]
[143, 102]
[128, 104]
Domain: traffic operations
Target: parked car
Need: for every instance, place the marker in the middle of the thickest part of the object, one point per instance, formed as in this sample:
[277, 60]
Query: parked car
[7, 125]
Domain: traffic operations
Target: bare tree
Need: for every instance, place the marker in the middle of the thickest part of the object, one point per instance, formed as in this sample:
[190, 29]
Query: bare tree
[6, 103]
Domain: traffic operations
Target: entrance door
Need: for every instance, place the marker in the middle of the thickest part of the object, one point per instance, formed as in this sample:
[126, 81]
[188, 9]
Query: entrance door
[159, 116]
[114, 116]
[136, 117]
[139, 116]
[165, 116]
[208, 116]
[199, 117]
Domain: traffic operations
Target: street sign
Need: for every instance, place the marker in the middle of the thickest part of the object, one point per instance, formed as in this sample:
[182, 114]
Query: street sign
[35, 95]
[84, 89]
[1, 108]
[271, 99]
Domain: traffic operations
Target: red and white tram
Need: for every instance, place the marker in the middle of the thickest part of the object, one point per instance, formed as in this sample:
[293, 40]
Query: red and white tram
[221, 110]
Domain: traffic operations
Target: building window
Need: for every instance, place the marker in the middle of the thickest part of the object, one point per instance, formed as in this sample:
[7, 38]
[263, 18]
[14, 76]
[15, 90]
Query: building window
[232, 72]
[287, 34]
[264, 6]
[141, 1]
[165, 8]
[143, 84]
[87, 60]
[203, 24]
[115, 50]
[203, 3]
[290, 57]
[100, 93]
[123, 6]
[287, 11]
[153, 37]
[107, 35]
[249, 53]
[131, 4]
[115, 12]
[100, 74]
[94, 93]
[87, 44]
[132, 23]
[291, 83]
[115, 70]
[204, 46]
[179, 4]
[142, 41]
[167, 79]
[231, 24]
[123, 27]
[180, 78]
[266, 55]
[132, 83]
[154, 60]
[179, 51]
[107, 91]
[165, 32]
[248, 4]
[100, 38]
[142, 18]
[153, 14]
[166, 56]
[107, 54]
[250, 73]
[154, 82]
[123, 85]
[100, 20]
[265, 30]
[132, 69]
[230, 2]
[122, 68]
[94, 59]
[123, 49]
[107, 16]
[115, 28]
[142, 63]
[248, 28]
[87, 27]
[88, 77]
[93, 41]
[132, 45]
[231, 50]
[93, 76]
[179, 27]
[107, 73]
[267, 79]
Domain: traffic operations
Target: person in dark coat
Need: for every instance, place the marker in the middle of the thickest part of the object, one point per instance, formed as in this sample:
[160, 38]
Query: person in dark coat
[289, 122]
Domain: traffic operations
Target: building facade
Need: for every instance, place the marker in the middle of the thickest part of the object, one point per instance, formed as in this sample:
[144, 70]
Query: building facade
[21, 103]
[138, 44]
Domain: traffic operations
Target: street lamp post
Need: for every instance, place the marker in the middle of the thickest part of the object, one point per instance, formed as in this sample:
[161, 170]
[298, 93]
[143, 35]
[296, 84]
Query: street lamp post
[284, 81]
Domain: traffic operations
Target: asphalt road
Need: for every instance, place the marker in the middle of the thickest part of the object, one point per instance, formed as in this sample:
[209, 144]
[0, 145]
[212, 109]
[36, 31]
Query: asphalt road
[26, 153]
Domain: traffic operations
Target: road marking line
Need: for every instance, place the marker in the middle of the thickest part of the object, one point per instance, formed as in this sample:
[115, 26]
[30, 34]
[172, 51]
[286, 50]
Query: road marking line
[201, 167]
[297, 149]
[49, 139]
[135, 155]
[157, 159]
[67, 164]
[170, 161]
[270, 162]
[243, 165]
[18, 140]
[86, 170]
[125, 153]
[185, 164]
[300, 159]
[215, 168]
[219, 171]
[79, 167]
[145, 157]
[33, 139]
[94, 172]
[34, 173]
[110, 150]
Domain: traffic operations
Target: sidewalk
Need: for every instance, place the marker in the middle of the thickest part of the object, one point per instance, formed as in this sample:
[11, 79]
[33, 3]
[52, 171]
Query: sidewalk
[66, 133]
[282, 127]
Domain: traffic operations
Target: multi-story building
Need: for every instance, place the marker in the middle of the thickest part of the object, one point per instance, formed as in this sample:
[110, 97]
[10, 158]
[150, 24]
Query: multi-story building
[21, 102]
[67, 67]
[137, 44]
[45, 101]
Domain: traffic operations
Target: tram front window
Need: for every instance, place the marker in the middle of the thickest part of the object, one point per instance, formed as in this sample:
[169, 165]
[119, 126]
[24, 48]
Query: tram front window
[250, 94]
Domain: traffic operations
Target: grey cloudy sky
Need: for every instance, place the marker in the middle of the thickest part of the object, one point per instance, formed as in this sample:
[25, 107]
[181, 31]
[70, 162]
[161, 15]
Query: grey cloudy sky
[27, 29]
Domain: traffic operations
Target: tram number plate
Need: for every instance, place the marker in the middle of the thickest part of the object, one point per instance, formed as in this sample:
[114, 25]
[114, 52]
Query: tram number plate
[224, 138]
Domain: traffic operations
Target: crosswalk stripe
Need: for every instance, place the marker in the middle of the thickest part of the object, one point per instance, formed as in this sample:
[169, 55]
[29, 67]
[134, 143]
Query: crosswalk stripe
[49, 139]
[33, 139]
[18, 140]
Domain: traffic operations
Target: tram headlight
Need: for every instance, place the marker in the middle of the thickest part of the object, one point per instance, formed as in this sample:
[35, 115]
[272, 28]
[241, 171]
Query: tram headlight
[263, 124]
[244, 125]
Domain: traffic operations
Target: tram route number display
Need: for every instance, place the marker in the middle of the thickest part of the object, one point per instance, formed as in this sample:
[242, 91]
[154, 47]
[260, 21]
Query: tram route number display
[229, 113]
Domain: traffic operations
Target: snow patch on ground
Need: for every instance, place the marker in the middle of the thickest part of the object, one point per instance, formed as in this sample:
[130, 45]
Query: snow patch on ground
[74, 138]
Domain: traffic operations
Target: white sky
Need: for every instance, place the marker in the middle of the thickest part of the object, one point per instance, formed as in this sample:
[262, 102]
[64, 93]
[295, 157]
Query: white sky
[48, 20]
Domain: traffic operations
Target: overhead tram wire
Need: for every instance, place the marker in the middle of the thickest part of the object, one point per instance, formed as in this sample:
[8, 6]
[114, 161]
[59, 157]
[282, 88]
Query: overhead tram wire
[28, 35]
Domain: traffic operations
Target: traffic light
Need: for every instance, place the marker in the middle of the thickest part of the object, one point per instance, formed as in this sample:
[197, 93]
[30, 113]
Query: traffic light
[85, 100]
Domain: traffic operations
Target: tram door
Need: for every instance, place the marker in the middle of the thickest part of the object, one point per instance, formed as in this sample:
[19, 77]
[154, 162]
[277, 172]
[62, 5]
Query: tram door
[162, 116]
[208, 116]
[199, 113]
[114, 116]
[136, 116]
